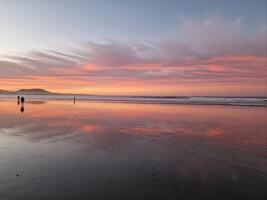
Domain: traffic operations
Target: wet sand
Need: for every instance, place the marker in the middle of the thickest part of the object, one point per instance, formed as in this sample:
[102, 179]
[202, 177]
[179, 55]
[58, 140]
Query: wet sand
[103, 150]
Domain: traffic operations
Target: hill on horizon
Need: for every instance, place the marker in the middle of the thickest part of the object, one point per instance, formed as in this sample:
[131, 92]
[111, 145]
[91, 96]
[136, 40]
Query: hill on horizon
[4, 91]
[26, 91]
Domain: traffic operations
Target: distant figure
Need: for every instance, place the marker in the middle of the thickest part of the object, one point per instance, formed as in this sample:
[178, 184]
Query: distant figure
[74, 100]
[22, 100]
[18, 100]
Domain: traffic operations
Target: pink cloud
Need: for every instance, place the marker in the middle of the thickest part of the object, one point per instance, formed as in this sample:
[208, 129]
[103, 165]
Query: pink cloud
[208, 51]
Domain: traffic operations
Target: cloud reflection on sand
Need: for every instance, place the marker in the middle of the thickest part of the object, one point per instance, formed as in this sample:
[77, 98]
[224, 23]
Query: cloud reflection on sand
[151, 145]
[211, 124]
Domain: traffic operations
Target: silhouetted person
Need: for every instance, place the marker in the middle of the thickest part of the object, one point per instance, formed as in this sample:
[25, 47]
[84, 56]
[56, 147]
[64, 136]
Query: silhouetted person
[18, 100]
[22, 100]
[74, 100]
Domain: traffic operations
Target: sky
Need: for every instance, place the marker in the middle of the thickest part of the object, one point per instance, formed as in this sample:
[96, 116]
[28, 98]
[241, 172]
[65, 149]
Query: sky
[141, 47]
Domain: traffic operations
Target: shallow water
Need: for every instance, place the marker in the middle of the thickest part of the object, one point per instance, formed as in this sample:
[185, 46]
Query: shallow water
[104, 150]
[192, 100]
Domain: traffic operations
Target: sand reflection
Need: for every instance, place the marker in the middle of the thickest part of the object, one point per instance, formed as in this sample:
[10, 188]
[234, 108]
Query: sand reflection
[170, 146]
[220, 124]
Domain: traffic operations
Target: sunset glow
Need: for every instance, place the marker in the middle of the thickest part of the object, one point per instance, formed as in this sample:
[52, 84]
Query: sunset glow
[214, 54]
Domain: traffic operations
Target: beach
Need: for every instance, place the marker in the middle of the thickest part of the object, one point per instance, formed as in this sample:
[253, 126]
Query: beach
[55, 149]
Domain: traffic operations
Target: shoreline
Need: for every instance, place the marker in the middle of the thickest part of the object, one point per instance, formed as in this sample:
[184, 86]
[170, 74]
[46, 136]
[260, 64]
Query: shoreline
[223, 101]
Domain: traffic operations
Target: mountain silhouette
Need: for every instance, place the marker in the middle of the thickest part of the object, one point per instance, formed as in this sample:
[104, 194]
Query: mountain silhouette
[32, 91]
[5, 92]
[26, 91]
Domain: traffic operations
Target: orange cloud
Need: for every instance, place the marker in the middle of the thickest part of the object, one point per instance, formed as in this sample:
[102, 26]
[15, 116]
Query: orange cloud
[157, 68]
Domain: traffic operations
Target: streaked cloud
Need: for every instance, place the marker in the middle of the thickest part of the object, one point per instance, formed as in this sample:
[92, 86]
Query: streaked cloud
[212, 51]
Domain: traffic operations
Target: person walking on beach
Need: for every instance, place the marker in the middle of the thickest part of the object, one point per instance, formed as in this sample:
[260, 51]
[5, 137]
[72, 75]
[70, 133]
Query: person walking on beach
[74, 100]
[18, 100]
[22, 100]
